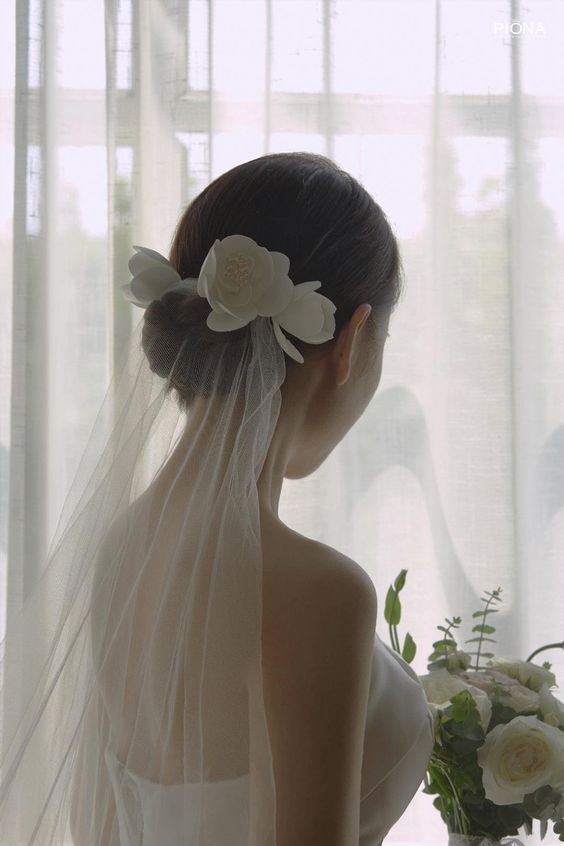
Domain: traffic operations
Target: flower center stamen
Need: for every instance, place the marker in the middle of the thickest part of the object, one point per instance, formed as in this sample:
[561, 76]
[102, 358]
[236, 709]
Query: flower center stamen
[237, 270]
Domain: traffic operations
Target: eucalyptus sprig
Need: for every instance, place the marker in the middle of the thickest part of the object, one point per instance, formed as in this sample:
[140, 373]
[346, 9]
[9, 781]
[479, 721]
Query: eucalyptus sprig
[445, 646]
[392, 615]
[484, 628]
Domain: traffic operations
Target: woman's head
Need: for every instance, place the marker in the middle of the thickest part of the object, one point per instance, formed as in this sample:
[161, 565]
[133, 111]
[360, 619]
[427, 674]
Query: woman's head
[301, 204]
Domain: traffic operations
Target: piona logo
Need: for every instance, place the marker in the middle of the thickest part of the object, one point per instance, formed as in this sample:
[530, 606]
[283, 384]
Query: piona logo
[519, 28]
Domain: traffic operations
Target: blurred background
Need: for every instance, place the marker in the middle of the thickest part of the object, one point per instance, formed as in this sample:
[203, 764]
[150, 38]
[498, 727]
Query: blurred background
[114, 115]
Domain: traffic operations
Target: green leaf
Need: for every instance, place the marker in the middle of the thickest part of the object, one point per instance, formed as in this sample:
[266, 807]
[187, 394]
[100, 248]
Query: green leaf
[511, 818]
[543, 829]
[474, 639]
[469, 729]
[483, 628]
[485, 611]
[409, 649]
[460, 747]
[484, 814]
[400, 580]
[462, 705]
[542, 794]
[446, 639]
[558, 828]
[442, 646]
[392, 608]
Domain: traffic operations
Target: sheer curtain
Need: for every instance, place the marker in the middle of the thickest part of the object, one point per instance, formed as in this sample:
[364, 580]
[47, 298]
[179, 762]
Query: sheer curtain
[114, 115]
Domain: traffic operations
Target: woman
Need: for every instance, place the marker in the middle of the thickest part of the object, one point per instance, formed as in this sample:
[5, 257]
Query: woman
[213, 677]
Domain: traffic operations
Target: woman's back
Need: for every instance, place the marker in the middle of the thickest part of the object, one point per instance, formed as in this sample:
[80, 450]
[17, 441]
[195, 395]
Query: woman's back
[334, 697]
[315, 685]
[136, 671]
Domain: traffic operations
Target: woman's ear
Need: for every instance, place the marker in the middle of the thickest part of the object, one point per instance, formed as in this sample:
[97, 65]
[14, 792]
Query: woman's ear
[347, 343]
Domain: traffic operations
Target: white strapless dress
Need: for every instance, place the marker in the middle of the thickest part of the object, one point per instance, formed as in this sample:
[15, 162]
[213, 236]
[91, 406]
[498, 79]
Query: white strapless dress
[397, 747]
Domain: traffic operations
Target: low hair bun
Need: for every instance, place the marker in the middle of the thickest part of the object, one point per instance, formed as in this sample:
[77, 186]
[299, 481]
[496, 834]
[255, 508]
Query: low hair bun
[181, 348]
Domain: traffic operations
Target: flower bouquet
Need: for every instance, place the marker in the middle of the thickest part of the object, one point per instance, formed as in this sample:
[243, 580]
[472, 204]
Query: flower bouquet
[498, 759]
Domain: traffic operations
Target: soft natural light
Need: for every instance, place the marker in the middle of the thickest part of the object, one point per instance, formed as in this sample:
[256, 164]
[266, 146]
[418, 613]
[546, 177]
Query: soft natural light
[83, 182]
[116, 114]
[80, 44]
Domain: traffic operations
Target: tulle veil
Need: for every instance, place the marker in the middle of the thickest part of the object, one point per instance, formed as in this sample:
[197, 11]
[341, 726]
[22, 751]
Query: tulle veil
[135, 663]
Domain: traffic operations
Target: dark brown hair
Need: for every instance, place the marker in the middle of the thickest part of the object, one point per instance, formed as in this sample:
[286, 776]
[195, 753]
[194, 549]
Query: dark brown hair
[301, 204]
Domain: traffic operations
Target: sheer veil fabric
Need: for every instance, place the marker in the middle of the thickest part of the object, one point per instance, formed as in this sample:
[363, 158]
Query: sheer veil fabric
[151, 595]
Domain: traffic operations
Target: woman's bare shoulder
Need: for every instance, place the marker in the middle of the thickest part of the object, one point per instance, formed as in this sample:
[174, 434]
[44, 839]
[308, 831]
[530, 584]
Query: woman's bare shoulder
[295, 562]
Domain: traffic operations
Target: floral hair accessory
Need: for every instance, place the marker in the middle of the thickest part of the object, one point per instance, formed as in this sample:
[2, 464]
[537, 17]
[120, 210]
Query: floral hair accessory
[241, 280]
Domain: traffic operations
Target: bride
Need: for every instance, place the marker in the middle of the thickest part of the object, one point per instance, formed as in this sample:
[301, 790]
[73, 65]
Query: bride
[188, 669]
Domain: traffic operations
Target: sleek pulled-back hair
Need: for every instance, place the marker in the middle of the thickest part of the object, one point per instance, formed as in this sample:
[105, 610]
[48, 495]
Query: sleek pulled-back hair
[301, 204]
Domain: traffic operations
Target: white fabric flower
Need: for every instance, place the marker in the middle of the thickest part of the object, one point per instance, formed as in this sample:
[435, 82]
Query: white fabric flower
[308, 316]
[440, 685]
[241, 280]
[519, 757]
[529, 674]
[153, 276]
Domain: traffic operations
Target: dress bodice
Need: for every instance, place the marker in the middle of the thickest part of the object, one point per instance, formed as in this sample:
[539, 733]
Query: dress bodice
[397, 747]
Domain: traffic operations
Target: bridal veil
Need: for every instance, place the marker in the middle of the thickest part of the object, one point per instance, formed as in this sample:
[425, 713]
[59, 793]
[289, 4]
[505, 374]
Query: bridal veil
[141, 637]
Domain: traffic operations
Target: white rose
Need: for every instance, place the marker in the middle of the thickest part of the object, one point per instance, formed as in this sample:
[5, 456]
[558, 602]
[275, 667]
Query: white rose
[519, 757]
[551, 707]
[520, 698]
[529, 674]
[439, 686]
[514, 694]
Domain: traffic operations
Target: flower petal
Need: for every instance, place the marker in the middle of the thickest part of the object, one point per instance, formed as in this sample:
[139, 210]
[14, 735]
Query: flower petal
[303, 318]
[152, 253]
[320, 338]
[220, 321]
[208, 269]
[303, 288]
[151, 284]
[327, 333]
[146, 258]
[286, 344]
[244, 312]
[238, 244]
[262, 275]
[129, 295]
[281, 262]
[276, 297]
